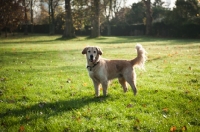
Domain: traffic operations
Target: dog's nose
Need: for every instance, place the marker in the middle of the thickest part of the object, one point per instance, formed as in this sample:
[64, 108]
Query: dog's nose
[91, 56]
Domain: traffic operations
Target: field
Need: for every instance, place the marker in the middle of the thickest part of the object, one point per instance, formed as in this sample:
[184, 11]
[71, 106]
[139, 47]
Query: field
[44, 86]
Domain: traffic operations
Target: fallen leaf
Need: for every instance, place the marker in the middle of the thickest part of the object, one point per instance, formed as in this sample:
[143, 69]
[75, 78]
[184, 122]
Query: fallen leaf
[84, 84]
[165, 109]
[21, 129]
[170, 55]
[137, 120]
[129, 106]
[172, 129]
[144, 105]
[30, 84]
[3, 79]
[187, 91]
[184, 128]
[136, 125]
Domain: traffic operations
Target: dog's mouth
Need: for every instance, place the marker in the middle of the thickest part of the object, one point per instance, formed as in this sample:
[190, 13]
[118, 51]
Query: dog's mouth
[92, 58]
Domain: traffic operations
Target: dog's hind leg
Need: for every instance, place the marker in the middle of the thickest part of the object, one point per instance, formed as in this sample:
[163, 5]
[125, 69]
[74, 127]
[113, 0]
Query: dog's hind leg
[133, 86]
[122, 81]
[131, 79]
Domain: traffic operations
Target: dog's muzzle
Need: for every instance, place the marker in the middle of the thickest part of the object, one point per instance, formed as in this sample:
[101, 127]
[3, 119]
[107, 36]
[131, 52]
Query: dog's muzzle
[91, 58]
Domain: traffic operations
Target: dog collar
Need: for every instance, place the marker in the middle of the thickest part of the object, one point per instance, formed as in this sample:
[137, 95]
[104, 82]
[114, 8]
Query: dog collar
[90, 67]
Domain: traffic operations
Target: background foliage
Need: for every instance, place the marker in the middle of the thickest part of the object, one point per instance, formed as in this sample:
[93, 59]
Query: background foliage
[112, 13]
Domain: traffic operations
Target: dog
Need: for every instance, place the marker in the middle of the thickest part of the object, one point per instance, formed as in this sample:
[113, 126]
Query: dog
[102, 70]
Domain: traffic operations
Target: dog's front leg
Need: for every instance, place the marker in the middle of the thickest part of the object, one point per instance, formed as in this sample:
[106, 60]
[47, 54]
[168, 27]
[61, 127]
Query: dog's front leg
[105, 87]
[96, 88]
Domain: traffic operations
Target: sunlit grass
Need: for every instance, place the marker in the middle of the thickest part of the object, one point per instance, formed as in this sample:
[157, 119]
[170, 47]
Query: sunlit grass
[44, 86]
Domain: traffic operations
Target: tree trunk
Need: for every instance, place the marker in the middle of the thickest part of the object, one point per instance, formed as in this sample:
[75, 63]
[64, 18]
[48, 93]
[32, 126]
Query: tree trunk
[49, 17]
[108, 26]
[108, 18]
[148, 17]
[108, 29]
[31, 6]
[52, 19]
[6, 35]
[25, 19]
[69, 29]
[96, 19]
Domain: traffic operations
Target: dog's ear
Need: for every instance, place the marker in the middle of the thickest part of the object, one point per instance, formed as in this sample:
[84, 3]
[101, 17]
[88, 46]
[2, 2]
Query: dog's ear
[100, 52]
[85, 50]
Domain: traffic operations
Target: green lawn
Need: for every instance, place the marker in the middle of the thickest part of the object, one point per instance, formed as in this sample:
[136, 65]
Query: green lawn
[44, 86]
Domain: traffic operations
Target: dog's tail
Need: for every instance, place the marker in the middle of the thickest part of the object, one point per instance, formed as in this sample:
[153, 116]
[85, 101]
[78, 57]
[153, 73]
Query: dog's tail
[141, 57]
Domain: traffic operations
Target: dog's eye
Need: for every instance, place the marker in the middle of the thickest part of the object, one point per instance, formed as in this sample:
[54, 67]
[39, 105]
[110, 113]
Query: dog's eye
[89, 51]
[94, 51]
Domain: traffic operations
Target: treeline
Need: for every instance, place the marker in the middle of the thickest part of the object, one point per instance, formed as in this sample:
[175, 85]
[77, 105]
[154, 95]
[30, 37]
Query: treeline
[158, 29]
[101, 17]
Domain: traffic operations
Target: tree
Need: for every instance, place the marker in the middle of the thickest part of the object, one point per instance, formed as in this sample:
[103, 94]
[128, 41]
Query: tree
[186, 11]
[112, 12]
[11, 14]
[59, 18]
[25, 5]
[187, 8]
[81, 13]
[158, 3]
[52, 7]
[31, 12]
[136, 14]
[69, 28]
[42, 17]
[147, 4]
[32, 2]
[95, 19]
[108, 10]
[158, 11]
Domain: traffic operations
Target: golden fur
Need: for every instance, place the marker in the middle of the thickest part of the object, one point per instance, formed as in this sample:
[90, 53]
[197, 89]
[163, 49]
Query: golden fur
[102, 70]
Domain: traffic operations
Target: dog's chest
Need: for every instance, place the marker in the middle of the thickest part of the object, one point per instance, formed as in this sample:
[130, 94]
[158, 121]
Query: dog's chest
[97, 74]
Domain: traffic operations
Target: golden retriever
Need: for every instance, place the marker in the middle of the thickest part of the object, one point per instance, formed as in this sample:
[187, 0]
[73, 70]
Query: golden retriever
[102, 70]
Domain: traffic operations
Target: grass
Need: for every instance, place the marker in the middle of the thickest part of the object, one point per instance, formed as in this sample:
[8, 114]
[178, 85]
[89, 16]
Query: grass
[44, 86]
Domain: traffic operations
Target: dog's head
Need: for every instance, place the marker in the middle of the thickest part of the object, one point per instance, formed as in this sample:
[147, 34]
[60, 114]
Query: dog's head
[92, 53]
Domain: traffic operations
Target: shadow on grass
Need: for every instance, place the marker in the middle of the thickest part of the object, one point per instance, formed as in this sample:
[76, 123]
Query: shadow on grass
[100, 40]
[34, 39]
[29, 42]
[45, 110]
